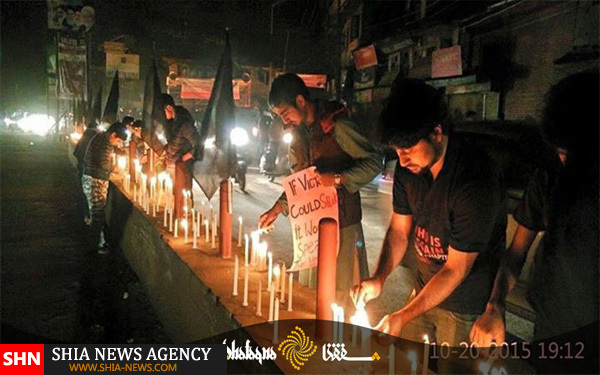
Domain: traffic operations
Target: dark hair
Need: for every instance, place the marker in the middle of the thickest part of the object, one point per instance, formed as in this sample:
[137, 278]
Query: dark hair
[119, 129]
[570, 117]
[411, 112]
[286, 88]
[167, 100]
[92, 125]
[127, 120]
[138, 124]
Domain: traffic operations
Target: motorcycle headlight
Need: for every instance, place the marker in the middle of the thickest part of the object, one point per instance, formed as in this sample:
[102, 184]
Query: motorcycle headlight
[239, 137]
[287, 138]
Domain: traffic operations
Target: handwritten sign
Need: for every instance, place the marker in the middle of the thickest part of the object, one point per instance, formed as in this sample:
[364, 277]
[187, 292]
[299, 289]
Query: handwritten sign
[308, 203]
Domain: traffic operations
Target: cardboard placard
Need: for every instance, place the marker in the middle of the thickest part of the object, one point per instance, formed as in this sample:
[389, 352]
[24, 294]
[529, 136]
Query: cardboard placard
[308, 203]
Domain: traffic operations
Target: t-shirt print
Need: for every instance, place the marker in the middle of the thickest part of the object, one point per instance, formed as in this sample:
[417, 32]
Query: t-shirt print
[428, 247]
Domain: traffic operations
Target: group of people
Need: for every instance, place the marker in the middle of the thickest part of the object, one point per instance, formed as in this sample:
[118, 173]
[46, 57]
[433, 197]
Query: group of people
[95, 163]
[449, 203]
[449, 200]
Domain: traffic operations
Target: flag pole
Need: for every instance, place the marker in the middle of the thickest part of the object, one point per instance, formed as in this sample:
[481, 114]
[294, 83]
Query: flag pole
[225, 223]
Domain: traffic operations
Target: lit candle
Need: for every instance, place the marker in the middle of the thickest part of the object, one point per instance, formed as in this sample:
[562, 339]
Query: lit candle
[271, 302]
[122, 162]
[276, 325]
[254, 239]
[412, 357]
[262, 255]
[165, 218]
[235, 276]
[360, 318]
[171, 220]
[194, 235]
[246, 245]
[391, 360]
[246, 271]
[207, 231]
[270, 278]
[426, 354]
[153, 187]
[276, 283]
[282, 289]
[184, 224]
[198, 224]
[341, 319]
[365, 343]
[259, 300]
[240, 220]
[290, 285]
[214, 234]
[334, 308]
[176, 227]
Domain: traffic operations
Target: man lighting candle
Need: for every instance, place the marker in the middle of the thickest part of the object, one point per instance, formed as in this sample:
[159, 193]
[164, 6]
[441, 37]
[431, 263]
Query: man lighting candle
[325, 137]
[451, 194]
[97, 170]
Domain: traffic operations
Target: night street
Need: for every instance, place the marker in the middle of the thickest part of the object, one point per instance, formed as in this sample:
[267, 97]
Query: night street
[300, 187]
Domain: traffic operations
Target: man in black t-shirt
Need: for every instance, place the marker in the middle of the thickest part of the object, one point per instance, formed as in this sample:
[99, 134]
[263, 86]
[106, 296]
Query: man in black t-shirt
[451, 195]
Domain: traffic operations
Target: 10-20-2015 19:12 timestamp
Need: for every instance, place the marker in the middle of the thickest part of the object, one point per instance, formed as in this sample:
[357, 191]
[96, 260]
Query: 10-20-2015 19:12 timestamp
[514, 350]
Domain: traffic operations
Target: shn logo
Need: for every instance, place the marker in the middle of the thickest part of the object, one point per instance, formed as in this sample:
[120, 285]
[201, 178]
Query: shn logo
[14, 358]
[21, 358]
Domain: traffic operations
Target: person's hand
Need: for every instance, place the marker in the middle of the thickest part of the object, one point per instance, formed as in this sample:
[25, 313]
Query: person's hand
[187, 156]
[366, 290]
[489, 327]
[390, 327]
[269, 217]
[327, 179]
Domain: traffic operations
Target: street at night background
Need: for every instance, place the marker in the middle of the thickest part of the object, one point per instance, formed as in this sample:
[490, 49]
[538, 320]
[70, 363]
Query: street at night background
[179, 271]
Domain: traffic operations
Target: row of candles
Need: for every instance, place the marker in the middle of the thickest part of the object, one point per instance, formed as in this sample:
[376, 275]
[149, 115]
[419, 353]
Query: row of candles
[258, 256]
[160, 193]
[157, 191]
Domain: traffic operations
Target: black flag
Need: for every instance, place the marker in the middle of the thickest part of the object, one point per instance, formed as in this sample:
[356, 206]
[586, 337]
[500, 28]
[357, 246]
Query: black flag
[154, 118]
[111, 109]
[216, 152]
[95, 113]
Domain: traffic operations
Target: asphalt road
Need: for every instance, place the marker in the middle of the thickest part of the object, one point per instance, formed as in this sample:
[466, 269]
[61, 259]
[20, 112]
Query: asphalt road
[55, 286]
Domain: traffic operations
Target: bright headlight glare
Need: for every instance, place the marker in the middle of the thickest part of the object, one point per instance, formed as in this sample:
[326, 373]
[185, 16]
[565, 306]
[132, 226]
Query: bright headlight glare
[239, 137]
[36, 123]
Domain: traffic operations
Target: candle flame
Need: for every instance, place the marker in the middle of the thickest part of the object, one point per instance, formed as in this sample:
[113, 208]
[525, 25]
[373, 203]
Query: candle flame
[122, 162]
[184, 223]
[426, 339]
[360, 317]
[276, 270]
[240, 219]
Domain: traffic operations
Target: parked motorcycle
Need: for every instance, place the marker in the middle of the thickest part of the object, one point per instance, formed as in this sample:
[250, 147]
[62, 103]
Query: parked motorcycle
[274, 162]
[240, 172]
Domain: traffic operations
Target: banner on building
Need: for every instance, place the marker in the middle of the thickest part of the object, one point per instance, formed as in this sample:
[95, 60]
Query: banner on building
[365, 78]
[316, 81]
[71, 17]
[365, 57]
[446, 62]
[127, 64]
[308, 203]
[201, 88]
[72, 60]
